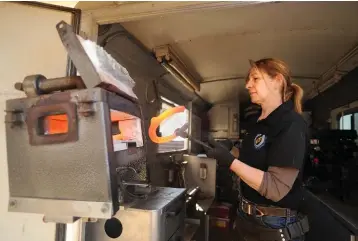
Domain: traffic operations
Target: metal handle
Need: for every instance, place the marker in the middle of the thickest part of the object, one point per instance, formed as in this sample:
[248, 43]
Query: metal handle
[182, 133]
[200, 142]
[36, 85]
[174, 213]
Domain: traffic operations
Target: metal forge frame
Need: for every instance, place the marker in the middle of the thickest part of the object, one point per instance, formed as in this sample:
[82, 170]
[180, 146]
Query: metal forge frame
[70, 175]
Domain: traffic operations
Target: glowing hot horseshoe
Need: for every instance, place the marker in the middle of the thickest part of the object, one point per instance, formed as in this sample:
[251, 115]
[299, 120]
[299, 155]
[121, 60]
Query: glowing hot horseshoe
[155, 123]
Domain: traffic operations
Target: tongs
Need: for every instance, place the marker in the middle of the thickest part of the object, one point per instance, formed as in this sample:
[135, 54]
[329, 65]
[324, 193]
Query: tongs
[184, 134]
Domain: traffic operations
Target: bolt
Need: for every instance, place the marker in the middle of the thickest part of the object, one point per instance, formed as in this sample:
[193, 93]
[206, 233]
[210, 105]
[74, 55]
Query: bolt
[13, 203]
[19, 86]
[104, 208]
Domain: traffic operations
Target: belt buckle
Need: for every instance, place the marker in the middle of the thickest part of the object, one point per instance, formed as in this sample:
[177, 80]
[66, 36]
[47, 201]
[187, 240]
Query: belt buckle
[242, 203]
[259, 213]
[251, 209]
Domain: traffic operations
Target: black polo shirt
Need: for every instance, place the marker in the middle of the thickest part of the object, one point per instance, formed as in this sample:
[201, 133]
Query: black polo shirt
[278, 140]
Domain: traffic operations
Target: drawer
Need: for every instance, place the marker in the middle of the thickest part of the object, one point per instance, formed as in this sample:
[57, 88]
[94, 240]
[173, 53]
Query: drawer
[178, 235]
[174, 217]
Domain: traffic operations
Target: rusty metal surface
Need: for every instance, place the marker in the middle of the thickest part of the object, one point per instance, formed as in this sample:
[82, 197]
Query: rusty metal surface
[78, 55]
[70, 170]
[96, 66]
[33, 122]
[83, 170]
[35, 85]
[60, 84]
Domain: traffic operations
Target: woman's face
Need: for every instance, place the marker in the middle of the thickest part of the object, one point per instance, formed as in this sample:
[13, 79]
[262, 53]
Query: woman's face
[261, 86]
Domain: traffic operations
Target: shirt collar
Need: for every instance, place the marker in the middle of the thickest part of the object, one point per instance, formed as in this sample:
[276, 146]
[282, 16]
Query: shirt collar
[275, 116]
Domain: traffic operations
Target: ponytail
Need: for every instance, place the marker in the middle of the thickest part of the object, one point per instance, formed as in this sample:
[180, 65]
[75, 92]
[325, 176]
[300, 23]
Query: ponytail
[297, 96]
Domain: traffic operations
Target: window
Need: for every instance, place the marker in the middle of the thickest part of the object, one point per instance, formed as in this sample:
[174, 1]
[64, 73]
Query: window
[349, 121]
[345, 123]
[168, 126]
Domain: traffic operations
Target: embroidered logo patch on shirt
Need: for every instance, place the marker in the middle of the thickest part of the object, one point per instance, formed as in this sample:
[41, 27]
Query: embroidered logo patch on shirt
[259, 141]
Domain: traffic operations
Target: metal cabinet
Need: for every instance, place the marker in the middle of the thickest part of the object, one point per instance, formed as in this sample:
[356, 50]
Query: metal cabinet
[224, 120]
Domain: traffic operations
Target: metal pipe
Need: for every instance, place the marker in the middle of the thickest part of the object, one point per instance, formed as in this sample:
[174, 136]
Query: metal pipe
[36, 85]
[177, 77]
[61, 84]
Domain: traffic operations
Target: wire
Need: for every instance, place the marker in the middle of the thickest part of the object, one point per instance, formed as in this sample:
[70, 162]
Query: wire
[155, 90]
[124, 168]
[124, 189]
[132, 195]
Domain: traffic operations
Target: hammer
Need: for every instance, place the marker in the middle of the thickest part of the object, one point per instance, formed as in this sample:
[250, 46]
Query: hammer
[182, 133]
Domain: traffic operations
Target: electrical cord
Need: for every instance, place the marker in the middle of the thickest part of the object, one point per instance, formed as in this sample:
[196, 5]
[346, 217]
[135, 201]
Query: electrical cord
[124, 189]
[124, 168]
[155, 90]
[132, 195]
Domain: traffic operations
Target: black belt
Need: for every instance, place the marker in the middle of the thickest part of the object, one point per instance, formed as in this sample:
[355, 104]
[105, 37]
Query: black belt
[257, 210]
[291, 231]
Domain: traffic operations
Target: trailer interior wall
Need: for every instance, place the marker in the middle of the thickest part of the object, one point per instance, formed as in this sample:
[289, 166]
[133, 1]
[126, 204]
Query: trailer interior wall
[145, 70]
[25, 50]
[340, 94]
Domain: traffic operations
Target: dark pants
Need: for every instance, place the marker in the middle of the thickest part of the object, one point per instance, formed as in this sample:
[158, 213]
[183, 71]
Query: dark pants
[265, 228]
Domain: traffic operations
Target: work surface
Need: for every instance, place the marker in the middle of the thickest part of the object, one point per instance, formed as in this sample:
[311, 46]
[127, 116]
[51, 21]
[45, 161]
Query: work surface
[347, 214]
[159, 199]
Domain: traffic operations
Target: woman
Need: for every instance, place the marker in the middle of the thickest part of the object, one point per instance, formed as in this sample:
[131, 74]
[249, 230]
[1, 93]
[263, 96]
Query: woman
[270, 161]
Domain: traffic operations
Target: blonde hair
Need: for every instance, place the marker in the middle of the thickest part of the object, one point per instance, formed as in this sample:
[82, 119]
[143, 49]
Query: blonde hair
[274, 67]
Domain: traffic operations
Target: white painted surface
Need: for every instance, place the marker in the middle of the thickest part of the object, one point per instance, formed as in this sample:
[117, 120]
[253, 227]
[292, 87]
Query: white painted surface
[25, 49]
[310, 36]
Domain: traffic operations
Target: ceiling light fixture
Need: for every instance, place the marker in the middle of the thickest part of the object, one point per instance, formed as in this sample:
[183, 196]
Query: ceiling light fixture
[172, 63]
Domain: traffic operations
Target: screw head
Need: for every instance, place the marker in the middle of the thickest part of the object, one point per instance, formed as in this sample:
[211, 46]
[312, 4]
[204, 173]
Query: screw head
[12, 203]
[104, 208]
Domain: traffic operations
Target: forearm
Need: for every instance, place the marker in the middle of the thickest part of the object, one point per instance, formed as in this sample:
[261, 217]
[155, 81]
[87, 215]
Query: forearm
[277, 182]
[250, 175]
[275, 186]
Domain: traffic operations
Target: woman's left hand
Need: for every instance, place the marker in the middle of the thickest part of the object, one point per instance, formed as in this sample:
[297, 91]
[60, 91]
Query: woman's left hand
[220, 153]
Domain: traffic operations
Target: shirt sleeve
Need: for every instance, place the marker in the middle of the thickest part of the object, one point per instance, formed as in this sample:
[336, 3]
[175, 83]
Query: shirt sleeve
[277, 182]
[289, 147]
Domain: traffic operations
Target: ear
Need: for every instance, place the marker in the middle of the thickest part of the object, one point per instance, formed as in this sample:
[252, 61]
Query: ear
[280, 80]
[276, 82]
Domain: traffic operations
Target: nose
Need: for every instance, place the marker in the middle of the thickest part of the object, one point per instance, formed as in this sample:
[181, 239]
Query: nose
[248, 84]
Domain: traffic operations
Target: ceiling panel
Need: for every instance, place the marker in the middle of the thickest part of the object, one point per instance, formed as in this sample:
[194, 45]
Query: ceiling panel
[310, 36]
[223, 56]
[223, 91]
